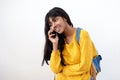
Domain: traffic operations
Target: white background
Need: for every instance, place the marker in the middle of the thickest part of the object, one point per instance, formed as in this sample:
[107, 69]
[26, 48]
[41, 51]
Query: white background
[22, 35]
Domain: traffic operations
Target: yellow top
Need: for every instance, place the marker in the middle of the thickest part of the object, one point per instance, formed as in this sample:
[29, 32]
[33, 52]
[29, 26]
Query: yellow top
[78, 59]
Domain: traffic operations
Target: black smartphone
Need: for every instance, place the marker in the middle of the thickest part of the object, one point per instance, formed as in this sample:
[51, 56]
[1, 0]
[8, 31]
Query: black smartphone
[54, 33]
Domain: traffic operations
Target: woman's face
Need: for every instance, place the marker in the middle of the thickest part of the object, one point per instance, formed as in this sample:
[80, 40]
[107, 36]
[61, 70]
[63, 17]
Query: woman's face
[58, 24]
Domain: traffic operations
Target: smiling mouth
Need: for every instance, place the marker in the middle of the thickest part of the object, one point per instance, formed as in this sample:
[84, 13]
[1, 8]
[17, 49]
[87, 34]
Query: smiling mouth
[57, 31]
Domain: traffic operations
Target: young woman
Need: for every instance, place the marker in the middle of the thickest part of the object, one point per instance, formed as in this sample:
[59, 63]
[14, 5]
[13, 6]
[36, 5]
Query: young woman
[68, 59]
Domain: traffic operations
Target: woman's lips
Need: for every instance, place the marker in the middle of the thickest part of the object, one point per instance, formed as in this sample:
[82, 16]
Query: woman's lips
[57, 30]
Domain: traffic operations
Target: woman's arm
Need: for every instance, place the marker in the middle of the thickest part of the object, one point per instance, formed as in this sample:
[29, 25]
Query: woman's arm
[55, 61]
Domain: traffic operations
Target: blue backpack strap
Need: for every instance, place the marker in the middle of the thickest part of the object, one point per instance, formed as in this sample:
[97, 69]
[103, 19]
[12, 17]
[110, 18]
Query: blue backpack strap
[96, 62]
[78, 34]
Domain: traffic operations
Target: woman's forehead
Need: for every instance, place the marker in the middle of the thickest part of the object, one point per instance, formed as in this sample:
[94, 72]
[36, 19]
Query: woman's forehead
[53, 18]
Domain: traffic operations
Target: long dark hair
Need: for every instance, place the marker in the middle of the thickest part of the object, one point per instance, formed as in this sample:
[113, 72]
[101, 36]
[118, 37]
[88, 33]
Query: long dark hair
[54, 12]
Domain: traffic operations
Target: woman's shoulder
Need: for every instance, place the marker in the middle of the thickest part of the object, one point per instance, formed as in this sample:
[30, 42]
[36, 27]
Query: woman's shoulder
[84, 33]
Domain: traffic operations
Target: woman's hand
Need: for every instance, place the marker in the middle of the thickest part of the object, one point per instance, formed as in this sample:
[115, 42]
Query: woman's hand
[53, 38]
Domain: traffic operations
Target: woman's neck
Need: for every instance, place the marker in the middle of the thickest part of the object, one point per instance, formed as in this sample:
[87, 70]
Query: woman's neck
[69, 31]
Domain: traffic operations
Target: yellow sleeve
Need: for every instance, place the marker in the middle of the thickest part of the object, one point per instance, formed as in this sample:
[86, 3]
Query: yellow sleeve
[95, 53]
[55, 62]
[85, 59]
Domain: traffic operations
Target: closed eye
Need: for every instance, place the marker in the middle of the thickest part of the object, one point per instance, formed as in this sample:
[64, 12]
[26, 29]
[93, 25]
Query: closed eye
[55, 19]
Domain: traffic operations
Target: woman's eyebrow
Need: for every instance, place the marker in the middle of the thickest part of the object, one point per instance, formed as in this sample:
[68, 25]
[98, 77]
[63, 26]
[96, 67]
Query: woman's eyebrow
[53, 18]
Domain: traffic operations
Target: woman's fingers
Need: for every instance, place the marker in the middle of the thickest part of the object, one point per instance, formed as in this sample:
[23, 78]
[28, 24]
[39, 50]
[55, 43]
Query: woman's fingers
[49, 32]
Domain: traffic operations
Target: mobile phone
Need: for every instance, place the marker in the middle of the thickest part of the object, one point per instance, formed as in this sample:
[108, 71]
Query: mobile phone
[54, 33]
